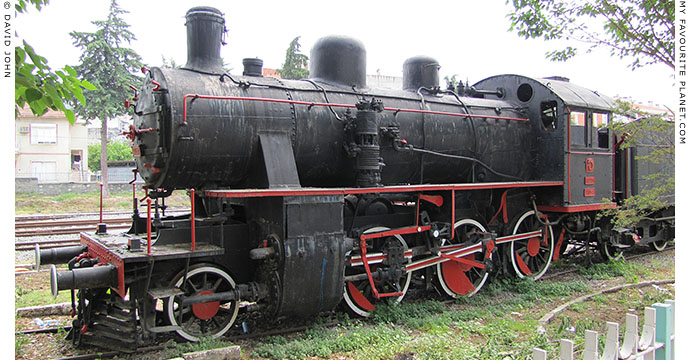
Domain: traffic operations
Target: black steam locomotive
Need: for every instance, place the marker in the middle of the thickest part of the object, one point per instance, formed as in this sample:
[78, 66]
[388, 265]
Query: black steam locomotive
[311, 193]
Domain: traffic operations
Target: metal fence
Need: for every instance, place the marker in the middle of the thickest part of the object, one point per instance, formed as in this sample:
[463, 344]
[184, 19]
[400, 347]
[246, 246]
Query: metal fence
[655, 343]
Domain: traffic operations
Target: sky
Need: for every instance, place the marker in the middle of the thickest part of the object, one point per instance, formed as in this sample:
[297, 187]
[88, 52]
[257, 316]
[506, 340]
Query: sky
[469, 39]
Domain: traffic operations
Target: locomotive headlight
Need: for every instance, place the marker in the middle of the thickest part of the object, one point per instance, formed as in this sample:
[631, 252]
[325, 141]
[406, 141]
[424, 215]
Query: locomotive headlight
[436, 233]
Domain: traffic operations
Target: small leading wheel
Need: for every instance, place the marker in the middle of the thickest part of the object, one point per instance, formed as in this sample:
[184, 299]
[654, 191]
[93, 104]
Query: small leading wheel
[210, 319]
[609, 251]
[531, 257]
[358, 295]
[458, 279]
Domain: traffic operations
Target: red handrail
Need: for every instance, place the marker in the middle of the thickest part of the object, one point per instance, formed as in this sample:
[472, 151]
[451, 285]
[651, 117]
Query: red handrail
[148, 225]
[193, 222]
[308, 103]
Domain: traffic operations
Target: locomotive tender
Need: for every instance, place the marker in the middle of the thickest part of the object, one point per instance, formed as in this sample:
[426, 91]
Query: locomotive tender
[311, 193]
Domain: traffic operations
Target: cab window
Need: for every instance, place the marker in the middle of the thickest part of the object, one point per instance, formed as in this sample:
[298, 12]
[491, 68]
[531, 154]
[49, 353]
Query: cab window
[578, 133]
[549, 115]
[600, 122]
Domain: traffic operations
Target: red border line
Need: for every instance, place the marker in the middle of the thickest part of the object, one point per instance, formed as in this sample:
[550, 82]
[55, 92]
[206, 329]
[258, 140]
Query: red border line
[591, 153]
[577, 208]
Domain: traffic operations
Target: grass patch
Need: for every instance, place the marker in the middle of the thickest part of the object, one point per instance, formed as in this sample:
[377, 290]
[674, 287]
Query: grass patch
[604, 271]
[201, 345]
[323, 342]
[411, 315]
[29, 297]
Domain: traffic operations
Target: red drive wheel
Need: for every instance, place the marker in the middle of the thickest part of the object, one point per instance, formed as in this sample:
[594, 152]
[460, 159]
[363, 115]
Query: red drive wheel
[531, 257]
[210, 319]
[459, 279]
[357, 295]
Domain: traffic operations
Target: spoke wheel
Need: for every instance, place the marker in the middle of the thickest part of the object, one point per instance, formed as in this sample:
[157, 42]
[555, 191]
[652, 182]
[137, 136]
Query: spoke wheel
[531, 257]
[609, 252]
[358, 295]
[211, 319]
[659, 245]
[457, 279]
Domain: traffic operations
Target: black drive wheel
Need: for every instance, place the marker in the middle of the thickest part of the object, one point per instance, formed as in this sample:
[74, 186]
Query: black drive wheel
[211, 319]
[458, 279]
[358, 295]
[531, 257]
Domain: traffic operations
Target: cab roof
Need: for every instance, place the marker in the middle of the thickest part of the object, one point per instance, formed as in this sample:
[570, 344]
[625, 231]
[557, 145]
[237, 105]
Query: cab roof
[578, 96]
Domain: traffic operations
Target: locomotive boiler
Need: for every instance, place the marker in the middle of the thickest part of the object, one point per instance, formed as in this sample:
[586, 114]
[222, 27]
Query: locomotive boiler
[199, 127]
[306, 194]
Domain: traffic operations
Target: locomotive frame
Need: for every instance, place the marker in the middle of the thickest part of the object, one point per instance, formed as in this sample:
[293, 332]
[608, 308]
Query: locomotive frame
[294, 211]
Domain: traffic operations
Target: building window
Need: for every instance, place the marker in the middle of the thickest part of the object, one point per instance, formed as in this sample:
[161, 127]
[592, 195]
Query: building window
[44, 170]
[43, 134]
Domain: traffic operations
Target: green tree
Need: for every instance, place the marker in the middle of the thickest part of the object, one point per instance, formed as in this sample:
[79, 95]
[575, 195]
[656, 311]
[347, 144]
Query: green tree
[451, 81]
[37, 85]
[295, 65]
[169, 63]
[110, 67]
[641, 31]
[117, 151]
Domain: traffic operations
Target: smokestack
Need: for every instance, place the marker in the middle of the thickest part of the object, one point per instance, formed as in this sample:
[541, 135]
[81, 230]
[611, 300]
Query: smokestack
[205, 34]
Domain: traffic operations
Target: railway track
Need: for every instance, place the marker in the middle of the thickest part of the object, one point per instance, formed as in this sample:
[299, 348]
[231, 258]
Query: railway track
[65, 231]
[43, 223]
[638, 253]
[143, 350]
[60, 225]
[45, 244]
[25, 218]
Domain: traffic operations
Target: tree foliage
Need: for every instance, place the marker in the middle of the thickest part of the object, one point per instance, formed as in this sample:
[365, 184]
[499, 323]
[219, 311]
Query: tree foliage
[295, 65]
[169, 63]
[117, 151]
[108, 65]
[37, 85]
[641, 31]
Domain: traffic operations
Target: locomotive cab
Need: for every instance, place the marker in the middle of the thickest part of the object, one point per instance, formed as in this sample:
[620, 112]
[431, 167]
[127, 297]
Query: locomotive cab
[572, 142]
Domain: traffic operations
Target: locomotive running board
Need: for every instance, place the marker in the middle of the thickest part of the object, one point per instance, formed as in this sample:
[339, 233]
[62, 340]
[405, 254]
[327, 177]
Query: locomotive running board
[250, 193]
